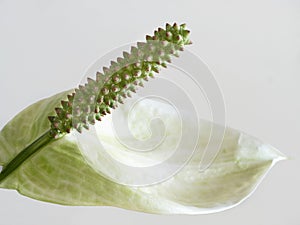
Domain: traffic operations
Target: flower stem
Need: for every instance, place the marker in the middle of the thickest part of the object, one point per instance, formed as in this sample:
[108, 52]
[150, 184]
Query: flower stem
[25, 154]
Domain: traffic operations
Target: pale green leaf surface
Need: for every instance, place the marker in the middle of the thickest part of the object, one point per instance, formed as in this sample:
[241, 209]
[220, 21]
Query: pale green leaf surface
[62, 172]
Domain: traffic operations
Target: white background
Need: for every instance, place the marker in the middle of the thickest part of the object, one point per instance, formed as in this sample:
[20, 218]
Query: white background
[253, 47]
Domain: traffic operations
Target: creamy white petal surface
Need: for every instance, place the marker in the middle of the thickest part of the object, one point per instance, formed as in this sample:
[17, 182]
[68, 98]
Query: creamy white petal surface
[91, 169]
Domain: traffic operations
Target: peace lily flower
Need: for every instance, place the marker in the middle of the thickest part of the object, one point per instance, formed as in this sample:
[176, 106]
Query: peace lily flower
[49, 164]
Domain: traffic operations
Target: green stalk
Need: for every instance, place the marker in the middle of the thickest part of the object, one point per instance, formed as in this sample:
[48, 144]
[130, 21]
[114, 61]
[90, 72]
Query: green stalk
[25, 154]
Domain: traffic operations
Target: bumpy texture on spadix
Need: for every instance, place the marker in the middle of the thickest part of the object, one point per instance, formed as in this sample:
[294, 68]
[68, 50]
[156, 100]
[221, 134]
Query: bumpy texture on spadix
[90, 102]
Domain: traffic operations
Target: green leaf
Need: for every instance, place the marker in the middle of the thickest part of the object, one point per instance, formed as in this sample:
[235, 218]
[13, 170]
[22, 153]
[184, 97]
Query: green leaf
[62, 172]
